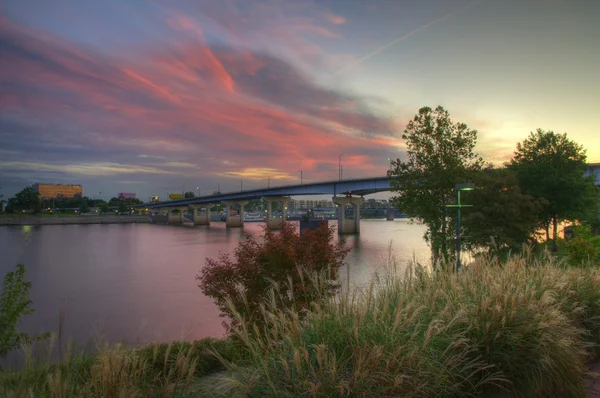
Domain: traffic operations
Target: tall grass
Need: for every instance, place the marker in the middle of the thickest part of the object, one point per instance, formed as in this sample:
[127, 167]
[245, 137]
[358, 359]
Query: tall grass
[526, 326]
[159, 370]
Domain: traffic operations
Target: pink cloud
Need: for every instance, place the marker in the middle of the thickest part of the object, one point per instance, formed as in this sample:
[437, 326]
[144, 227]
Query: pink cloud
[187, 101]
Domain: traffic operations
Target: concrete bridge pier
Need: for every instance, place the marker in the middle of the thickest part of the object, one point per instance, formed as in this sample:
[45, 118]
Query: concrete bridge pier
[176, 218]
[235, 221]
[202, 218]
[275, 223]
[390, 215]
[348, 226]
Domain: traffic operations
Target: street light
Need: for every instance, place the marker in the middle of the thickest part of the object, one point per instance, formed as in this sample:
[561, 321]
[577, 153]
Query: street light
[467, 186]
[198, 189]
[340, 167]
[300, 176]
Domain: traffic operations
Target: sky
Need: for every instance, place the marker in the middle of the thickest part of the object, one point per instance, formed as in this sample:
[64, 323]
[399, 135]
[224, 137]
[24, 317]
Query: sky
[158, 97]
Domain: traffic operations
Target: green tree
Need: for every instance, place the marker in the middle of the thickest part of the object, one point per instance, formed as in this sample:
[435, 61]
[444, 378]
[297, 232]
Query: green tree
[188, 195]
[502, 217]
[439, 155]
[552, 167]
[103, 207]
[24, 200]
[14, 305]
[122, 206]
[84, 208]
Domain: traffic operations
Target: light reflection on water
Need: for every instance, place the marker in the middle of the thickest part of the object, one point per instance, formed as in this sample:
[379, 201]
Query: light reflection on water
[135, 283]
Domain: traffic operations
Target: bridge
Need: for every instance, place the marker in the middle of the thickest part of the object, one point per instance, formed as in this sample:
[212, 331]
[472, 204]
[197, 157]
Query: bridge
[345, 193]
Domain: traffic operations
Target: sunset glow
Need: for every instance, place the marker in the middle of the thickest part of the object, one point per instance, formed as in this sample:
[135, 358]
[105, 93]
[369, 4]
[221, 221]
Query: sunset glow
[207, 93]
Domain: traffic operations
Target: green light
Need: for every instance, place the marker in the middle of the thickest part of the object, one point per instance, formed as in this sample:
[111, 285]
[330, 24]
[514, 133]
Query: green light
[467, 186]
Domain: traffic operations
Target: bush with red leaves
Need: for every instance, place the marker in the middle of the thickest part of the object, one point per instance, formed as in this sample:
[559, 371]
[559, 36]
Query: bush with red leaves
[283, 261]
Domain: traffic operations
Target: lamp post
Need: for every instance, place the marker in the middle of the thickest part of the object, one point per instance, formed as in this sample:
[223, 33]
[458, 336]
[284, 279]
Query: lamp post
[340, 166]
[198, 189]
[467, 186]
[300, 176]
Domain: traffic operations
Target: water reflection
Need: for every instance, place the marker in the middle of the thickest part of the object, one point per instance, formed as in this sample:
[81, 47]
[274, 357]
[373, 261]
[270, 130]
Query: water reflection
[136, 283]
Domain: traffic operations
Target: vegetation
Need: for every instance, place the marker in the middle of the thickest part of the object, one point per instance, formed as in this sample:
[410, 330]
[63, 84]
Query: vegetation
[27, 200]
[583, 247]
[526, 326]
[281, 260]
[501, 218]
[439, 155]
[159, 370]
[549, 166]
[14, 305]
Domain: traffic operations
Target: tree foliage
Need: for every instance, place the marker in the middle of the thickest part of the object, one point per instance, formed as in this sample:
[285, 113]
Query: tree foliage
[502, 217]
[122, 207]
[281, 260]
[583, 247]
[189, 195]
[552, 167]
[439, 155]
[24, 200]
[14, 305]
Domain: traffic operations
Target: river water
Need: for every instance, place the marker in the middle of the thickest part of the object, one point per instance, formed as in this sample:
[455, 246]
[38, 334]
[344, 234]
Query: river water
[135, 283]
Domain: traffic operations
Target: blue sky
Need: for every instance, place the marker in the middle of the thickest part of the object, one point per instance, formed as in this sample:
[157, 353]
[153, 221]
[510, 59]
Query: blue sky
[146, 96]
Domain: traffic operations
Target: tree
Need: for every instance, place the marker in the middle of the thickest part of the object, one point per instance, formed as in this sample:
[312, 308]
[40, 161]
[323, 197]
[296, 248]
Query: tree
[122, 207]
[439, 155]
[502, 217]
[14, 305]
[552, 167]
[188, 195]
[103, 207]
[84, 208]
[283, 260]
[24, 200]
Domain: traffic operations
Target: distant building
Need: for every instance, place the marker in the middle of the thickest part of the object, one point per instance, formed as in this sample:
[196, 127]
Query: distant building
[126, 195]
[56, 191]
[594, 168]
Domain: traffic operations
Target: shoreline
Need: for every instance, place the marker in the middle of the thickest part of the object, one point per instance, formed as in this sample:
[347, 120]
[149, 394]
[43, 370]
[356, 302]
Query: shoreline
[7, 221]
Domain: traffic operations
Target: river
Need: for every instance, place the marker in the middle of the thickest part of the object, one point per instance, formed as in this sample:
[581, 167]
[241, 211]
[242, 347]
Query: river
[135, 283]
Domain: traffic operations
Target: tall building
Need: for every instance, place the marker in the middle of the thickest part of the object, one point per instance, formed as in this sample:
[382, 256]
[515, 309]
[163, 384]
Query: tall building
[594, 168]
[55, 191]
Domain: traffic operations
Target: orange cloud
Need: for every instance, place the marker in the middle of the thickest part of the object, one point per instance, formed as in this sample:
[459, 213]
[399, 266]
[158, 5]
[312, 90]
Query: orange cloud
[337, 19]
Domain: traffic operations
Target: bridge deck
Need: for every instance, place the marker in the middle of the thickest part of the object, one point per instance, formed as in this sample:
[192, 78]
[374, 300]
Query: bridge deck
[357, 187]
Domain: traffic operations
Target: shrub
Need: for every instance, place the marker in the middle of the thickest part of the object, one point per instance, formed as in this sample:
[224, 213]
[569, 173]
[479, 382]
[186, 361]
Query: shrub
[525, 326]
[583, 247]
[282, 260]
[14, 305]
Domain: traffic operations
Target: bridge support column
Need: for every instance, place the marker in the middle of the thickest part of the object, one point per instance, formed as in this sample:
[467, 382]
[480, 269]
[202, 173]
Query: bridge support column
[176, 218]
[202, 218]
[348, 226]
[390, 215]
[275, 223]
[235, 221]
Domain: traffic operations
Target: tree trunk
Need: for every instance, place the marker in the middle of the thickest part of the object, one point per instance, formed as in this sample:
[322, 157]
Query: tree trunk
[443, 238]
[554, 232]
[547, 231]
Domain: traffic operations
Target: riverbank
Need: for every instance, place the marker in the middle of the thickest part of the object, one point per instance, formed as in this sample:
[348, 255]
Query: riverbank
[58, 220]
[528, 327]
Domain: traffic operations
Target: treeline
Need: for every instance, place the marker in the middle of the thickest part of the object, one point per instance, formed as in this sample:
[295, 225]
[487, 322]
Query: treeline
[28, 200]
[540, 187]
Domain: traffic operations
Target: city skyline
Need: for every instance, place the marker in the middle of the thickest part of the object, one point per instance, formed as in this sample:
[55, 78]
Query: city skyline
[147, 96]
